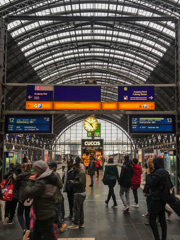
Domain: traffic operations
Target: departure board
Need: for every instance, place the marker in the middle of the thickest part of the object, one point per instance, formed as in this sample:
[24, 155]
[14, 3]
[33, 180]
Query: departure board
[136, 94]
[77, 93]
[151, 124]
[28, 124]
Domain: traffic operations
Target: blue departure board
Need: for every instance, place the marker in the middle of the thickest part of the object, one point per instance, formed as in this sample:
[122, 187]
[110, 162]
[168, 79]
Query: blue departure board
[151, 124]
[136, 94]
[28, 124]
[77, 93]
[39, 93]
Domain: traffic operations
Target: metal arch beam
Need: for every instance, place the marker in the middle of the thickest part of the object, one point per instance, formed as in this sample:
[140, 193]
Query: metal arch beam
[49, 29]
[124, 63]
[89, 35]
[111, 45]
[86, 52]
[25, 17]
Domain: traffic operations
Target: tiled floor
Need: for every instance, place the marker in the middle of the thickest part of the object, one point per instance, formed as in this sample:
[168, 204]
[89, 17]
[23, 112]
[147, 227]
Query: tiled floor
[104, 223]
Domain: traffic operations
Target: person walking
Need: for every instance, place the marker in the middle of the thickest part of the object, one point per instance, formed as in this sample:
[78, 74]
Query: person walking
[42, 187]
[111, 172]
[68, 187]
[91, 170]
[97, 167]
[21, 183]
[136, 181]
[79, 187]
[125, 183]
[157, 181]
[58, 198]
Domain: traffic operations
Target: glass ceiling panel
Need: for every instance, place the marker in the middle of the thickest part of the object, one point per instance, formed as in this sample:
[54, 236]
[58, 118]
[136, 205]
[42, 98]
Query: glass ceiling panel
[57, 51]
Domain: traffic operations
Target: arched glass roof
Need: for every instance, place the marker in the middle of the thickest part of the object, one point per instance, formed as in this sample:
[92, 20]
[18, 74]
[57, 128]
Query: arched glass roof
[62, 51]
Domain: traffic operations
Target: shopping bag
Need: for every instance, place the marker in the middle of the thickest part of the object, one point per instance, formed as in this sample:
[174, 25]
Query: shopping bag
[7, 191]
[1, 187]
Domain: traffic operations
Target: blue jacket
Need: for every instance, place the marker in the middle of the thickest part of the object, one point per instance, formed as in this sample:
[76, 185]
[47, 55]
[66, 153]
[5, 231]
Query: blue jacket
[68, 175]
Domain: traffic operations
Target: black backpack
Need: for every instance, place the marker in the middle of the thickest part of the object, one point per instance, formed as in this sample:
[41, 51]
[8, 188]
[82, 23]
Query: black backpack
[167, 192]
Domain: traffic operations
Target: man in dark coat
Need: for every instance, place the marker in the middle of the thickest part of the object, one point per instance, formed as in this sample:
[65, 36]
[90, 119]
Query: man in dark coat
[157, 181]
[125, 182]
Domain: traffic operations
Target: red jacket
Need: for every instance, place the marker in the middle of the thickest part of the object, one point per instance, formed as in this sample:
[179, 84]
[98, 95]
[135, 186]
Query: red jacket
[137, 171]
[97, 164]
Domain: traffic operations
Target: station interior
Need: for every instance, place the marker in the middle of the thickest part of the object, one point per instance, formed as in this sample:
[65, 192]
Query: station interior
[91, 79]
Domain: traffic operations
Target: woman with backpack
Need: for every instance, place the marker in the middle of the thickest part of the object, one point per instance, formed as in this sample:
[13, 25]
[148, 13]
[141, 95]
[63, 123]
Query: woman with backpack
[21, 183]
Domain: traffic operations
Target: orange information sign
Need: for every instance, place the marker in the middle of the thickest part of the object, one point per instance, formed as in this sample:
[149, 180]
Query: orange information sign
[77, 106]
[33, 105]
[109, 105]
[136, 105]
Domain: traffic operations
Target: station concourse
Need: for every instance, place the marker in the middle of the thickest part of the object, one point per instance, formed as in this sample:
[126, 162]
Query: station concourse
[89, 83]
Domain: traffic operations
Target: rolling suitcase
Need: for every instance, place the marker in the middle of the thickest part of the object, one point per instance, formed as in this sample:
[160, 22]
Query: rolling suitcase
[175, 205]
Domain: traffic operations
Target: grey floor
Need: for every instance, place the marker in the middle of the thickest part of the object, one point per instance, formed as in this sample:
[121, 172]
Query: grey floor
[102, 222]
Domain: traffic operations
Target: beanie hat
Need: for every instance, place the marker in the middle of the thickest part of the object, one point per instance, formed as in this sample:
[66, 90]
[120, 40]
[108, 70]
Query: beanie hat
[40, 167]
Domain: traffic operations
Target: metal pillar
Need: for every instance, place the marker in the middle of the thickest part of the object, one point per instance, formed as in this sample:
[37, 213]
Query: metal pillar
[3, 63]
[177, 96]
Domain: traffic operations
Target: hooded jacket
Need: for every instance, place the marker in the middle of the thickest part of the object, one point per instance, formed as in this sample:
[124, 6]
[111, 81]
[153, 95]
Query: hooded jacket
[157, 180]
[79, 183]
[112, 171]
[137, 171]
[21, 183]
[42, 191]
[126, 175]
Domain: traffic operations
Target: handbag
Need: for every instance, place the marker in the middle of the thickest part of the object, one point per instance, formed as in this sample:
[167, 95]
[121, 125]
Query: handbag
[7, 191]
[28, 202]
[105, 180]
[175, 204]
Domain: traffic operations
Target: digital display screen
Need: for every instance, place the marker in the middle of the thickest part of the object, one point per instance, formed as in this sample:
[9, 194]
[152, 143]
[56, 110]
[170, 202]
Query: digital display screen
[151, 124]
[28, 124]
[39, 93]
[136, 94]
[77, 93]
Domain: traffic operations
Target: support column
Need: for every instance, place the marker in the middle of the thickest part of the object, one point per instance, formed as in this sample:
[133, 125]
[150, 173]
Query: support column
[177, 99]
[3, 64]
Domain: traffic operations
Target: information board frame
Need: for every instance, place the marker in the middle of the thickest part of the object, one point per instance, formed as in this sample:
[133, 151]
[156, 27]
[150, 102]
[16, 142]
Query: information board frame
[151, 132]
[51, 125]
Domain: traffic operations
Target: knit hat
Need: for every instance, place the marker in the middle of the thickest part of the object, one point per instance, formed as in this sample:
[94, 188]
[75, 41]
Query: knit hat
[40, 167]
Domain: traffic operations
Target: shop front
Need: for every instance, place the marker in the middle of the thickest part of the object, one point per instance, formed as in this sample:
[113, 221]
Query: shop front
[92, 148]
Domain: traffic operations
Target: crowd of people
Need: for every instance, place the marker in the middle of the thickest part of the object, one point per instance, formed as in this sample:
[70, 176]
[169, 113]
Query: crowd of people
[40, 186]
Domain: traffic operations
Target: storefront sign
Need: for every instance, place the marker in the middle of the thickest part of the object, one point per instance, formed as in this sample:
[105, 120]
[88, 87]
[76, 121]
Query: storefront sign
[93, 143]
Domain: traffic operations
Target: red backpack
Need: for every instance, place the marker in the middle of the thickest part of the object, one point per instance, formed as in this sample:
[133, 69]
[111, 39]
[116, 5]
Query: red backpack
[6, 190]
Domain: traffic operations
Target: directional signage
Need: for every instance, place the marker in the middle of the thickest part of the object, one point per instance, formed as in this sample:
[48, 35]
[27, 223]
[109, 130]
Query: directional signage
[136, 94]
[39, 93]
[136, 106]
[39, 97]
[151, 124]
[28, 124]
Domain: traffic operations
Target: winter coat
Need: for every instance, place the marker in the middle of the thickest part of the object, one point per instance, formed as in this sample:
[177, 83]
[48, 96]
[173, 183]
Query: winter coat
[42, 191]
[112, 171]
[79, 183]
[82, 167]
[97, 164]
[68, 175]
[91, 168]
[157, 180]
[137, 171]
[126, 175]
[21, 183]
[58, 198]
